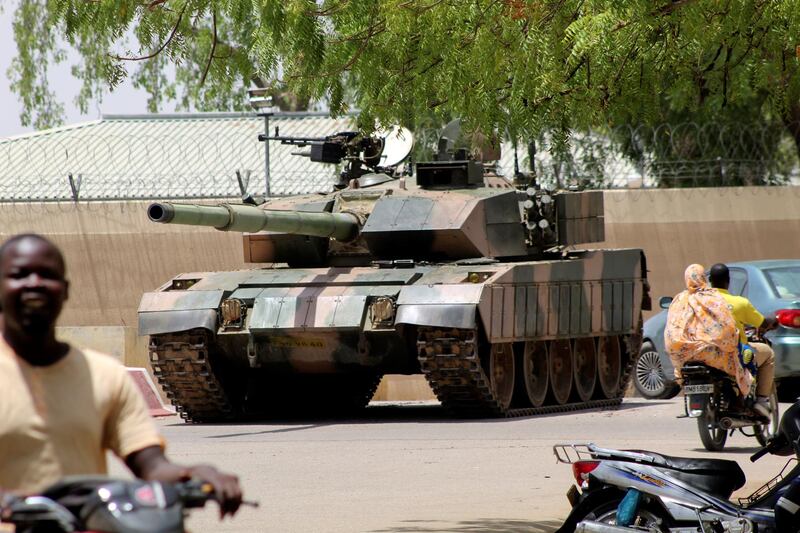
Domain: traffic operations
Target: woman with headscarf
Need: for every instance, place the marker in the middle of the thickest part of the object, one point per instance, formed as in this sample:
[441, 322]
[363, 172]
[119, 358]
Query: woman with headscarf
[701, 328]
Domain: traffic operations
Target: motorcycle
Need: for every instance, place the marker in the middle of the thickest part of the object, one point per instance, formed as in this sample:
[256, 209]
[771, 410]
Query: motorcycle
[711, 396]
[627, 491]
[100, 504]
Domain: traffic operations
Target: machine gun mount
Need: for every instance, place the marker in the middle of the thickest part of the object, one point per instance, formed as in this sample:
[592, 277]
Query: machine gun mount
[380, 153]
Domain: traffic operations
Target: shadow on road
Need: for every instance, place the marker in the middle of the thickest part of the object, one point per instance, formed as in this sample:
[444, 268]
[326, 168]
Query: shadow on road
[495, 525]
[730, 449]
[394, 412]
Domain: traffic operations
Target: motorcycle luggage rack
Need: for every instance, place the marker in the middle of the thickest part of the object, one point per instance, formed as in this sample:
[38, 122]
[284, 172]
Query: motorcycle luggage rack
[764, 489]
[574, 452]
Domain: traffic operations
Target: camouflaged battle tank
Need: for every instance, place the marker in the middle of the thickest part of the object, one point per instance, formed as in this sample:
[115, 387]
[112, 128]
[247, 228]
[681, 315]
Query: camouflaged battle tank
[455, 273]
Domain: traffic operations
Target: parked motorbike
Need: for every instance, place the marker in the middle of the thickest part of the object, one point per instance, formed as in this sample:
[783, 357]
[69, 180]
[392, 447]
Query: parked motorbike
[711, 396]
[627, 491]
[100, 504]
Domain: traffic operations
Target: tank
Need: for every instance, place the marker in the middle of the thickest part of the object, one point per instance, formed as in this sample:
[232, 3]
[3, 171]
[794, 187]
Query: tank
[452, 272]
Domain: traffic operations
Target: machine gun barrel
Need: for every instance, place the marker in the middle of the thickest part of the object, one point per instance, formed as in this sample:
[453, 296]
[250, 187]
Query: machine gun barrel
[291, 140]
[245, 218]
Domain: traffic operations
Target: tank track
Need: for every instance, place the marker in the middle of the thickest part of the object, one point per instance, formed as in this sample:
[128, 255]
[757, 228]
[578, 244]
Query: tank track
[369, 390]
[181, 366]
[449, 360]
[633, 344]
[451, 365]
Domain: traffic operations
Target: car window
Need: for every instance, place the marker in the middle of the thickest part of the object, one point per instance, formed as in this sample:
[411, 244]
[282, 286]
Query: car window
[785, 281]
[738, 281]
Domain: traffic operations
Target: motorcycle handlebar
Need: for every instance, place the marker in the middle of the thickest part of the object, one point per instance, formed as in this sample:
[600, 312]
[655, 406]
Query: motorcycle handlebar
[774, 445]
[192, 494]
[195, 493]
[759, 454]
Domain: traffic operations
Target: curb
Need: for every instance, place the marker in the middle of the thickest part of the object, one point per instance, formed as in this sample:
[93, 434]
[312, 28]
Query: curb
[149, 392]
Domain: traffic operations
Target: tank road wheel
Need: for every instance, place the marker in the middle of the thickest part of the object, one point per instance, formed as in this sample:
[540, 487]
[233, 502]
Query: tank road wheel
[584, 367]
[609, 366]
[501, 373]
[469, 376]
[560, 370]
[533, 376]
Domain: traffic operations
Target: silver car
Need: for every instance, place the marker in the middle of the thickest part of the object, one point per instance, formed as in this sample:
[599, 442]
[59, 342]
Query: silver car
[774, 289]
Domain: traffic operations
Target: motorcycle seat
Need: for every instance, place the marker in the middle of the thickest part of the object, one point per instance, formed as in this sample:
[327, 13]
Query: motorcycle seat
[720, 477]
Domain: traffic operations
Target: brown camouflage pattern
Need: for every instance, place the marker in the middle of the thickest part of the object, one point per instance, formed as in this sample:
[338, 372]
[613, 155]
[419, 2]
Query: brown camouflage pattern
[453, 263]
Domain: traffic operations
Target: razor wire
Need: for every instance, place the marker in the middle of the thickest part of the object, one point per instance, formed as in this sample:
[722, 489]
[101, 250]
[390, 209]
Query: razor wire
[185, 159]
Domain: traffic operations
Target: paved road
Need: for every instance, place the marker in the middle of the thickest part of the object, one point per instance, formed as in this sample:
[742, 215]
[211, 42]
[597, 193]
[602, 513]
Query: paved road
[411, 468]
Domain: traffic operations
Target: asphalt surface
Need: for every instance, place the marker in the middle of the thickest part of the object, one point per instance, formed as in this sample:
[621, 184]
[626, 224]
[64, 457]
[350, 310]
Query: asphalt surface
[410, 467]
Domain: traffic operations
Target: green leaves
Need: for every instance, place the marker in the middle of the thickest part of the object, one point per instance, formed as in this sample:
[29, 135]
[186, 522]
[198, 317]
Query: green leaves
[520, 66]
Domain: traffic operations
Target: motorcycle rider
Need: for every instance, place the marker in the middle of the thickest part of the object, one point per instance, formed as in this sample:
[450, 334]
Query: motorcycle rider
[62, 407]
[700, 328]
[744, 313]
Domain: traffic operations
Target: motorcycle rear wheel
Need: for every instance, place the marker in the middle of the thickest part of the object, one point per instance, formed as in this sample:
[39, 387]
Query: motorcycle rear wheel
[765, 432]
[712, 436]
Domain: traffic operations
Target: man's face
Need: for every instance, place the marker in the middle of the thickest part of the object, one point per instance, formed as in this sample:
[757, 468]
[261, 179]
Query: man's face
[32, 286]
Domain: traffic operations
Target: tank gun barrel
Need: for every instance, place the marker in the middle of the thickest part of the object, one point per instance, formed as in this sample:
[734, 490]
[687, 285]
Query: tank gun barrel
[250, 219]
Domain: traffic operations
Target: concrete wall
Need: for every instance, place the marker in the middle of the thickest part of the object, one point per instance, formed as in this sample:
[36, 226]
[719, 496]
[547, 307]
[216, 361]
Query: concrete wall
[114, 253]
[677, 227]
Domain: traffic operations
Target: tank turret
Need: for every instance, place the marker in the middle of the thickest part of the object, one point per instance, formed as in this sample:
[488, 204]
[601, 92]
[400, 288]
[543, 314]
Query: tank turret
[451, 271]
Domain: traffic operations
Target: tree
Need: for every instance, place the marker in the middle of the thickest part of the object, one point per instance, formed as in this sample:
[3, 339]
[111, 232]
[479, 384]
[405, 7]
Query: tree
[523, 66]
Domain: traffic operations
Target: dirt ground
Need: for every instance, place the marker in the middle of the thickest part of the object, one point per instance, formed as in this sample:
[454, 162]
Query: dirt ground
[409, 467]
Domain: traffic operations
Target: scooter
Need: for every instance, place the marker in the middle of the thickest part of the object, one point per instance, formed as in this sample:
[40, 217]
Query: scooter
[628, 491]
[101, 504]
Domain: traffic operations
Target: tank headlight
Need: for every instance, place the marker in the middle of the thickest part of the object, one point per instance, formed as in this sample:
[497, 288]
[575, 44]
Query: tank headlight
[182, 284]
[232, 312]
[381, 311]
[478, 277]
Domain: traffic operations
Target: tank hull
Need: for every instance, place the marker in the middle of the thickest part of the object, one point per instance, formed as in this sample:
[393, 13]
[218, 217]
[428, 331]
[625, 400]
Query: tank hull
[486, 334]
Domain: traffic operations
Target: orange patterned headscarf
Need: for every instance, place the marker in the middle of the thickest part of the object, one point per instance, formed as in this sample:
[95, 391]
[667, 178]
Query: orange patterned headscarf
[701, 328]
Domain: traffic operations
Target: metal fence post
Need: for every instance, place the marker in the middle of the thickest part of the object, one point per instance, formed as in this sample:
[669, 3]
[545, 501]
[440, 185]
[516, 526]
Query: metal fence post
[266, 155]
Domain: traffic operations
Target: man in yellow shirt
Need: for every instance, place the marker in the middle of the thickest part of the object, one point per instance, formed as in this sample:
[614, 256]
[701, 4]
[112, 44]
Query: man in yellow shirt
[745, 314]
[61, 407]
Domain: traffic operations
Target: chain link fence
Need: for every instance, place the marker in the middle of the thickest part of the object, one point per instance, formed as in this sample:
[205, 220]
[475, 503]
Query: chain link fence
[219, 156]
[669, 155]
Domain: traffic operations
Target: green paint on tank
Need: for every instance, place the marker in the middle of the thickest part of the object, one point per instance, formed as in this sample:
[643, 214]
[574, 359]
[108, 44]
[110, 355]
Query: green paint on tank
[454, 272]
[244, 218]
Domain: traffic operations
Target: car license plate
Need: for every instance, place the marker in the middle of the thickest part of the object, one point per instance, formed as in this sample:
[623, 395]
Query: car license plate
[707, 388]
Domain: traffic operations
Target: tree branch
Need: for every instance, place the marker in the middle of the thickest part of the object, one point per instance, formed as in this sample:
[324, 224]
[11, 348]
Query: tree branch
[373, 30]
[327, 12]
[213, 44]
[155, 3]
[161, 48]
[418, 10]
[666, 9]
[625, 60]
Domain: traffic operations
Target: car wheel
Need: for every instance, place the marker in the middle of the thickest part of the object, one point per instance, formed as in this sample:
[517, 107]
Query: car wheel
[649, 373]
